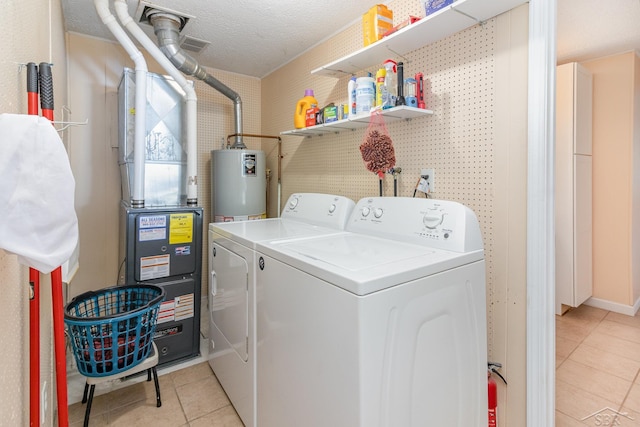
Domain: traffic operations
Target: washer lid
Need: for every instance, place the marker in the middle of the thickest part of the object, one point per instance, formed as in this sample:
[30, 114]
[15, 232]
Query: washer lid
[247, 233]
[355, 252]
[363, 264]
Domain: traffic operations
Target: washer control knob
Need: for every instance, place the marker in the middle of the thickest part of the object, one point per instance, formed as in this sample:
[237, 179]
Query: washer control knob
[377, 212]
[432, 220]
[366, 211]
[293, 203]
[332, 208]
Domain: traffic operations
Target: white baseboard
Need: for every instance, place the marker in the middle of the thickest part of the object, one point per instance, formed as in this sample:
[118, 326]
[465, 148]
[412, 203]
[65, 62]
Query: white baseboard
[614, 306]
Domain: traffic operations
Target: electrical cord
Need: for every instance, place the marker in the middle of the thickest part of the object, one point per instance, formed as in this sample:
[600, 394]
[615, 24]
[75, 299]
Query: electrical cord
[415, 190]
[120, 268]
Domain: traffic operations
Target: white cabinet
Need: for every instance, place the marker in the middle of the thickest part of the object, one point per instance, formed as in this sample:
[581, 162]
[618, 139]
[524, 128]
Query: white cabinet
[573, 198]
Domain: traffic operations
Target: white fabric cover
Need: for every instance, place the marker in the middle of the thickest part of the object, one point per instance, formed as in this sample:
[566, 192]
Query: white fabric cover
[38, 221]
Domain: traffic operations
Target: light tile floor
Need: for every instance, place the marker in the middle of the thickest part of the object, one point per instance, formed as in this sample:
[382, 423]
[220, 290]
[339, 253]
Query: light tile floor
[190, 397]
[597, 366]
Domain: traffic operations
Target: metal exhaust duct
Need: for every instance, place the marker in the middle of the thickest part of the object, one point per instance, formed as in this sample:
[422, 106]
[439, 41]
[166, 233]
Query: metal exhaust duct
[167, 29]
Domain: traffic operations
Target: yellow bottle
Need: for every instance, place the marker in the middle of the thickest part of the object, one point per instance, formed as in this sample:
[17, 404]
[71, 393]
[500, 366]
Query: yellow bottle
[380, 76]
[299, 119]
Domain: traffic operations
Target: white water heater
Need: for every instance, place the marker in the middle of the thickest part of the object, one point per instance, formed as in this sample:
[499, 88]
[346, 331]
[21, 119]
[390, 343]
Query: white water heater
[239, 185]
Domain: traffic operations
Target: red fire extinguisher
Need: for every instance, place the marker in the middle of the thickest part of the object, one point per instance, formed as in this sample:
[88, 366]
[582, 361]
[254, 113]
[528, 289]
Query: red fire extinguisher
[493, 393]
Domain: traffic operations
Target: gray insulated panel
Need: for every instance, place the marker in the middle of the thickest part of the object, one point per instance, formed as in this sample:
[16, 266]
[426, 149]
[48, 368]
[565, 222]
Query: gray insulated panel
[165, 140]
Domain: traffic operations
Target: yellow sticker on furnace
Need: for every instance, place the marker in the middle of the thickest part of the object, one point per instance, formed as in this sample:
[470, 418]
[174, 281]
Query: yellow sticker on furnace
[180, 228]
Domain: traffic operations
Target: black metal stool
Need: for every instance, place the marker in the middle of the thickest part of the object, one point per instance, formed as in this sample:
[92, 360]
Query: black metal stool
[149, 364]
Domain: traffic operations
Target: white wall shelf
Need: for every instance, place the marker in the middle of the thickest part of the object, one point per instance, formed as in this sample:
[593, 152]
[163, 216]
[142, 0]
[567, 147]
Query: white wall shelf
[360, 121]
[460, 15]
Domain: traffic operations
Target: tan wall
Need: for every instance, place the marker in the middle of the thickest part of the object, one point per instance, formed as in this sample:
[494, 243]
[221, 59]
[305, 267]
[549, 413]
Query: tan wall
[613, 177]
[635, 192]
[476, 141]
[31, 31]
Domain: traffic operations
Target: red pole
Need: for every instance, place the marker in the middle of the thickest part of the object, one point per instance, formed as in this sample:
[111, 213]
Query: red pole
[34, 348]
[59, 344]
[34, 281]
[46, 102]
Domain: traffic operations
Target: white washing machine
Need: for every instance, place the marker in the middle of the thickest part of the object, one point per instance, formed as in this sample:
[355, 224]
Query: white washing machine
[381, 326]
[232, 301]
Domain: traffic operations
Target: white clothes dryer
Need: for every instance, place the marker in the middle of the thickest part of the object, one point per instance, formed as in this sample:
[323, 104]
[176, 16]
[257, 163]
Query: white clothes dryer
[381, 326]
[231, 297]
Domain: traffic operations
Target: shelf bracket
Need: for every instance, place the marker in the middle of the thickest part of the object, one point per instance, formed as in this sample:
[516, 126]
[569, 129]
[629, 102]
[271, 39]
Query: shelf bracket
[337, 71]
[468, 16]
[404, 58]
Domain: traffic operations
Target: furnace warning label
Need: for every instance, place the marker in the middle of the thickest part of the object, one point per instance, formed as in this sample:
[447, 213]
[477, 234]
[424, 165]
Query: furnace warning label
[153, 267]
[184, 307]
[181, 228]
[166, 312]
[179, 308]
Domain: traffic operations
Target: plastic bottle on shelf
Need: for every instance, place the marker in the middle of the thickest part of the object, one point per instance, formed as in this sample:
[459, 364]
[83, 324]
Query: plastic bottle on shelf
[309, 101]
[390, 87]
[351, 88]
[365, 94]
[380, 77]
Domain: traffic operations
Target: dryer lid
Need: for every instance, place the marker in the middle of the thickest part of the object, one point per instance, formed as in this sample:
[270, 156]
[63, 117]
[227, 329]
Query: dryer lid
[247, 233]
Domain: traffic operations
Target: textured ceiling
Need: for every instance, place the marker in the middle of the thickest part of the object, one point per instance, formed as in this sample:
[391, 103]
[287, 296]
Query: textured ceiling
[254, 37]
[249, 37]
[589, 29]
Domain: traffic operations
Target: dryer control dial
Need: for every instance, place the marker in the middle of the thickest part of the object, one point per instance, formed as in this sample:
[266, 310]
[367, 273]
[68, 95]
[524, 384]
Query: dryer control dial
[432, 219]
[332, 208]
[366, 211]
[293, 203]
[377, 212]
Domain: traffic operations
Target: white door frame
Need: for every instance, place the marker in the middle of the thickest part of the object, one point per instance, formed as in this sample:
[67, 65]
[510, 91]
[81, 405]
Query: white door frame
[540, 215]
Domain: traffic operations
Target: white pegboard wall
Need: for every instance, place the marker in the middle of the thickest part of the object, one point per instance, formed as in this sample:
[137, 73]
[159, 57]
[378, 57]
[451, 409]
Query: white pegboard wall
[456, 141]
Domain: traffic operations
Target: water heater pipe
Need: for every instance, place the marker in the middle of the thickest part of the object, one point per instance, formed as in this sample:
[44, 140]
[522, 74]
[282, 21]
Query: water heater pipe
[167, 29]
[137, 196]
[190, 97]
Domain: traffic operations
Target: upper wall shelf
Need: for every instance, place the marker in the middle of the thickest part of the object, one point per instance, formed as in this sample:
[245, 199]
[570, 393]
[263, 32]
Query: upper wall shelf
[360, 121]
[460, 15]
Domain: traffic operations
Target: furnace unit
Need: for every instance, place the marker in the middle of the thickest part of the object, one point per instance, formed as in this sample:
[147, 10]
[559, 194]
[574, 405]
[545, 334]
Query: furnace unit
[161, 243]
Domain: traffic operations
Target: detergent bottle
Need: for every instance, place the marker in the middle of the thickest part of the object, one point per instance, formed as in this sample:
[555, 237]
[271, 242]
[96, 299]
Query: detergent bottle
[299, 119]
[380, 76]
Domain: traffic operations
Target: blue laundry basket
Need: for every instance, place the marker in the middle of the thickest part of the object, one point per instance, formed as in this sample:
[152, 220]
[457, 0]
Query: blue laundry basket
[111, 329]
